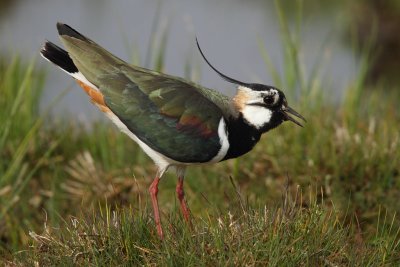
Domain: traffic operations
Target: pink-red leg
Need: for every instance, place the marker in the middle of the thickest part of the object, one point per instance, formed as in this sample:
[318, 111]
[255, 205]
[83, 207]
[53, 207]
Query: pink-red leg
[153, 189]
[181, 196]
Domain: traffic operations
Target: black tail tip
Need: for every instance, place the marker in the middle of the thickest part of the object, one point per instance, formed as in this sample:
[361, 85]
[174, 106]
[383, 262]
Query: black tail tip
[49, 49]
[58, 56]
[64, 29]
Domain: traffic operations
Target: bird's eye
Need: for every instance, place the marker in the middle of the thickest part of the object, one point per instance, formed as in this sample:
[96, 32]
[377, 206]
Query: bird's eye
[269, 99]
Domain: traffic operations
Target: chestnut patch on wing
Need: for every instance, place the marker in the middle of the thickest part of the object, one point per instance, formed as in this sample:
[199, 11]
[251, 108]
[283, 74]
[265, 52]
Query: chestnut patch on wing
[194, 124]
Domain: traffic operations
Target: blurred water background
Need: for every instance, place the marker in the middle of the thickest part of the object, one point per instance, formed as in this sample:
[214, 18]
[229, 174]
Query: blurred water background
[229, 31]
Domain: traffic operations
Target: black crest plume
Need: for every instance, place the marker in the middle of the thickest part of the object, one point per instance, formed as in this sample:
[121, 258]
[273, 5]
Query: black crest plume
[229, 79]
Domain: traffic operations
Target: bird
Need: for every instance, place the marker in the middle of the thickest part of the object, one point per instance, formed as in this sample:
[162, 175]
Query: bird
[176, 122]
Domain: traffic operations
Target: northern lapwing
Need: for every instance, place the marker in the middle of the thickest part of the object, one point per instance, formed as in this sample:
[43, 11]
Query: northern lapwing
[176, 122]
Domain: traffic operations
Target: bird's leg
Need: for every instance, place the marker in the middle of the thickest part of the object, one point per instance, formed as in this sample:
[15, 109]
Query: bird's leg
[153, 189]
[181, 196]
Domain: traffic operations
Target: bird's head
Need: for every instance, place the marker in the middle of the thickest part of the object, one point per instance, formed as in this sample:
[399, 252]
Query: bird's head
[262, 106]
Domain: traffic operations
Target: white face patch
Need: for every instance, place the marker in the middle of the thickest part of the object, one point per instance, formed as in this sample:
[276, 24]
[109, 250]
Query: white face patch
[256, 115]
[253, 108]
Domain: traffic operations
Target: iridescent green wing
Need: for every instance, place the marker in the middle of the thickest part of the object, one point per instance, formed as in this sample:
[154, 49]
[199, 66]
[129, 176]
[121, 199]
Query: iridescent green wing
[169, 114]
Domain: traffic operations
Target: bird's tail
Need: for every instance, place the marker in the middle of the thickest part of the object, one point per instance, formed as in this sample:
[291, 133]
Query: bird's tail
[59, 57]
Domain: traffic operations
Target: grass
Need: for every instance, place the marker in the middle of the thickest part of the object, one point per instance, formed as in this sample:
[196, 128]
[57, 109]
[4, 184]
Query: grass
[286, 236]
[326, 194]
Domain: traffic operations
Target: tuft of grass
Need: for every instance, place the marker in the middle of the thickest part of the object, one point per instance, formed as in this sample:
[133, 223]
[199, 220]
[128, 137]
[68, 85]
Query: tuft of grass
[288, 235]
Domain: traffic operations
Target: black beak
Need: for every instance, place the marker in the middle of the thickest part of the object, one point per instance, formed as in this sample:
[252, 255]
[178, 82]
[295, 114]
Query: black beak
[286, 110]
